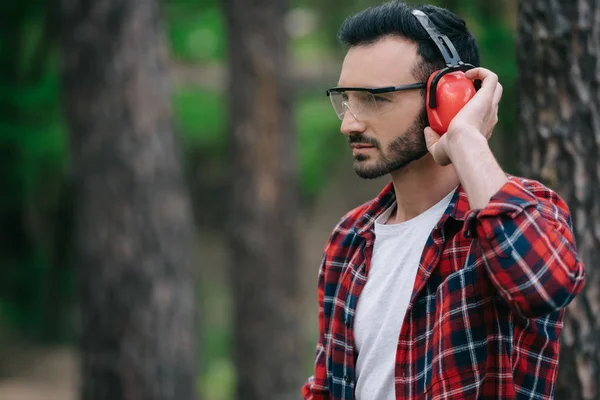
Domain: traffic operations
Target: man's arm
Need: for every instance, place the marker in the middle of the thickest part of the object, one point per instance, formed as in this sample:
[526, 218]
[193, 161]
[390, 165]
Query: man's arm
[525, 234]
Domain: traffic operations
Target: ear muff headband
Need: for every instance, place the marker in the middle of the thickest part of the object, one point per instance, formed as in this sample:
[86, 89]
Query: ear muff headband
[443, 43]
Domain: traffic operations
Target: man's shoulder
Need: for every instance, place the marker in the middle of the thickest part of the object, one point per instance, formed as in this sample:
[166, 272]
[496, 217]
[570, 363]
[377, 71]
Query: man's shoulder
[345, 236]
[353, 222]
[358, 218]
[530, 184]
[537, 188]
[353, 219]
[527, 192]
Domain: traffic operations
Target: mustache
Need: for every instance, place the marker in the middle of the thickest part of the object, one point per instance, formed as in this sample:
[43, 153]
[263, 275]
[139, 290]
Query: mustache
[363, 139]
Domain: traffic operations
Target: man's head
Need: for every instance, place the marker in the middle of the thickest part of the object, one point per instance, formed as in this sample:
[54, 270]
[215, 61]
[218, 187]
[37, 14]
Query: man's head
[387, 47]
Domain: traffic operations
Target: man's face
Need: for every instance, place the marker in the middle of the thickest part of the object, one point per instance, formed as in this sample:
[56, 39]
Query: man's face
[391, 137]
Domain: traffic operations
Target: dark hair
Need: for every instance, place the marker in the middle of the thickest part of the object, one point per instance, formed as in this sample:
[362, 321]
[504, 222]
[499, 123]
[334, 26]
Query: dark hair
[395, 18]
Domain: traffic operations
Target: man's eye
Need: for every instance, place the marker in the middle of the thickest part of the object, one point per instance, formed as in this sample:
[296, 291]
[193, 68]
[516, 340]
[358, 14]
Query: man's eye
[380, 99]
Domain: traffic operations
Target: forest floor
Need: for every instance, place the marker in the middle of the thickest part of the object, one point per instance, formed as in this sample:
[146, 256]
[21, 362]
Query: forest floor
[38, 373]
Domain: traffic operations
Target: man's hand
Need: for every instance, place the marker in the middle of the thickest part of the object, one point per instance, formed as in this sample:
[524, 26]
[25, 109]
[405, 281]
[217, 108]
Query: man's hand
[476, 119]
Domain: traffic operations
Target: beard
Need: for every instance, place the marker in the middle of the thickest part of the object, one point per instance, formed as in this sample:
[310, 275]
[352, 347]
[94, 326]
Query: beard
[404, 149]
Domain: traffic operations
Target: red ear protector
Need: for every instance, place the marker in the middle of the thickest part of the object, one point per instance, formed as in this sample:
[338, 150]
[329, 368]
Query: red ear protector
[448, 90]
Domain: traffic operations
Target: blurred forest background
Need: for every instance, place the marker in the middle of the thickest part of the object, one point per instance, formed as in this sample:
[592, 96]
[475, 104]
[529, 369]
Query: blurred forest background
[112, 211]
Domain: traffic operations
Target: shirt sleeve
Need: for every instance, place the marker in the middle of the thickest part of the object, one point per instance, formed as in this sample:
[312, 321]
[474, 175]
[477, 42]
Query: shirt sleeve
[315, 388]
[528, 248]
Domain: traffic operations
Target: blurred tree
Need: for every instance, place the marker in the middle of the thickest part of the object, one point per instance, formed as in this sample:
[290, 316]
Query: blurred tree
[132, 217]
[559, 119]
[268, 344]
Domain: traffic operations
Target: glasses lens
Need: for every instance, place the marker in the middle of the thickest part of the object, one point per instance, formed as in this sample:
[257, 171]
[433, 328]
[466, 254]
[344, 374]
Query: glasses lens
[362, 104]
[337, 100]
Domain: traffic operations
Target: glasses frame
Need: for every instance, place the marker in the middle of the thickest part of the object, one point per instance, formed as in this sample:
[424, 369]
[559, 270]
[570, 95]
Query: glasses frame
[386, 89]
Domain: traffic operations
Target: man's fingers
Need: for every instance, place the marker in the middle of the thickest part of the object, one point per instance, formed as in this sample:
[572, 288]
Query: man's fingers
[481, 73]
[436, 149]
[498, 94]
[431, 137]
[487, 77]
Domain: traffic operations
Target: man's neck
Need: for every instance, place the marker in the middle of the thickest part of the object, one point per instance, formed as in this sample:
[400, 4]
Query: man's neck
[419, 186]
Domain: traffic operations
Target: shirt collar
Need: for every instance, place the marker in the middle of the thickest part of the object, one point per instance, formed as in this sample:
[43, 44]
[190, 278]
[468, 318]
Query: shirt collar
[457, 209]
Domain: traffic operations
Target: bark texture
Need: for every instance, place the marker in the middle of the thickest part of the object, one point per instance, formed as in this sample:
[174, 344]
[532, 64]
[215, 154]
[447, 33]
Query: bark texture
[559, 142]
[132, 215]
[265, 270]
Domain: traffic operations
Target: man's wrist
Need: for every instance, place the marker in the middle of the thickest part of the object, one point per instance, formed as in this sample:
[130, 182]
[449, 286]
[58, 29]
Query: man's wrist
[466, 142]
[476, 167]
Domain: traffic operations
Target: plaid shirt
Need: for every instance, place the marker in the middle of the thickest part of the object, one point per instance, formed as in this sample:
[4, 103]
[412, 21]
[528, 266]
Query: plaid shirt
[487, 305]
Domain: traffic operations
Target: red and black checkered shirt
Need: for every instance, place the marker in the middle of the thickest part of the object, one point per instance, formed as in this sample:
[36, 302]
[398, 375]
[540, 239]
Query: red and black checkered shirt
[487, 305]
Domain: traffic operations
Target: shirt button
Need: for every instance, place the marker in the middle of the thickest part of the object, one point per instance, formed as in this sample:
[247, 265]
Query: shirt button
[346, 378]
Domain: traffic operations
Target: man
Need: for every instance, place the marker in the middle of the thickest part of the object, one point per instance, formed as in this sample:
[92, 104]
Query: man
[452, 282]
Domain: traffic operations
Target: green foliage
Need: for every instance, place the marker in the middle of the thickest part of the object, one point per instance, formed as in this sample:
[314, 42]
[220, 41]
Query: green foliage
[310, 48]
[317, 128]
[219, 382]
[33, 148]
[196, 32]
[217, 373]
[200, 117]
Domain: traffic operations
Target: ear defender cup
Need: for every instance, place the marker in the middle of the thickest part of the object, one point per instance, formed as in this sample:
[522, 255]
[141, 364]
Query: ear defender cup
[452, 92]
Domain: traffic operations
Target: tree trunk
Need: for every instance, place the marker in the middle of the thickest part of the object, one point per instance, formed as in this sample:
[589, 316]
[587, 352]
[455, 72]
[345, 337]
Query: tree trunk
[559, 135]
[132, 216]
[268, 335]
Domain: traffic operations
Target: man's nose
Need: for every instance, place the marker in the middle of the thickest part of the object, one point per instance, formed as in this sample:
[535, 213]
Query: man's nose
[350, 123]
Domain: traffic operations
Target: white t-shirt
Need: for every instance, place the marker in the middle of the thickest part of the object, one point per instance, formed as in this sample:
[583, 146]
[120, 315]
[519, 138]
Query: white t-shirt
[384, 299]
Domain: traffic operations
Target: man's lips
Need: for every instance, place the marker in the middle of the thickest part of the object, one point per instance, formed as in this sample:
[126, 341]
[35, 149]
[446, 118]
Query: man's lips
[361, 146]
